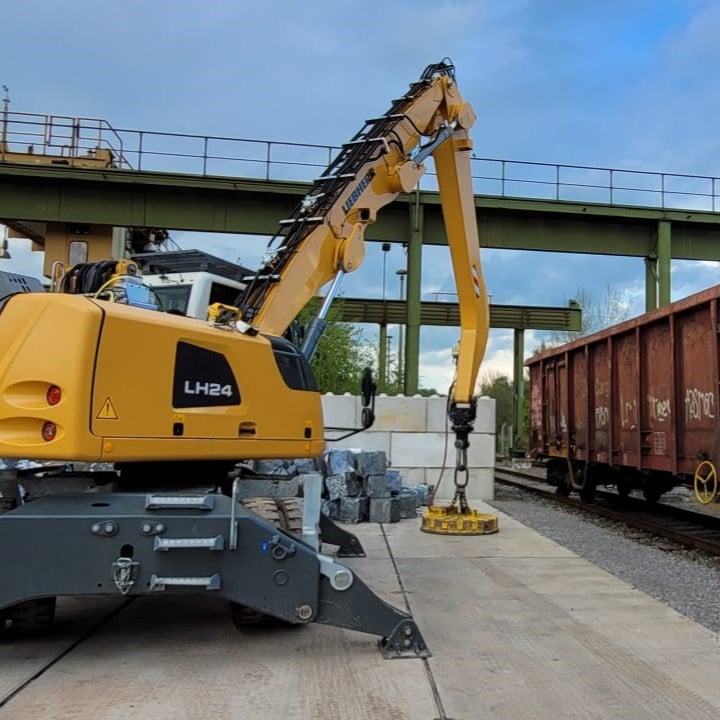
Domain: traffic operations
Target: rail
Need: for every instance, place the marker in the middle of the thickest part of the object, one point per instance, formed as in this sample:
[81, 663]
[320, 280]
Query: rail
[270, 160]
[692, 528]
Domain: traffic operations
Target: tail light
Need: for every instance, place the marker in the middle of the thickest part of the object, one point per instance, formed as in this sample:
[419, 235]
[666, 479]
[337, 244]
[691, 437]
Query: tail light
[49, 430]
[54, 395]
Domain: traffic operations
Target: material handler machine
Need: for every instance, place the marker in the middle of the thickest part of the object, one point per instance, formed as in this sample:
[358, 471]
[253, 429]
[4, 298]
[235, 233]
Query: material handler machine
[97, 372]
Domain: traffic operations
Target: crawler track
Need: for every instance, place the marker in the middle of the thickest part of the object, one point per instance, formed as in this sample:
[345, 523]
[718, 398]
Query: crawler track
[687, 527]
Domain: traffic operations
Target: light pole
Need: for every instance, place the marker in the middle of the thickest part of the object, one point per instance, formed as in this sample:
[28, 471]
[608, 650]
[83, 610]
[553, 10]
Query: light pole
[401, 273]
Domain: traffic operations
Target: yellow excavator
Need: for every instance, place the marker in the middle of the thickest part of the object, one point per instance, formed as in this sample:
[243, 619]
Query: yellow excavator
[99, 373]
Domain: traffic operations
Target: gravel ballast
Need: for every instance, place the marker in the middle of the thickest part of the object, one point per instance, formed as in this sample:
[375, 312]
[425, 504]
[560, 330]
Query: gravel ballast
[686, 580]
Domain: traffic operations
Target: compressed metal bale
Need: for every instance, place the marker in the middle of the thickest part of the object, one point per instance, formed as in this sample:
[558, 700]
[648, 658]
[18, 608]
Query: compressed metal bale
[384, 510]
[342, 485]
[408, 503]
[372, 462]
[331, 509]
[376, 486]
[338, 461]
[285, 468]
[423, 493]
[353, 509]
[305, 466]
[394, 480]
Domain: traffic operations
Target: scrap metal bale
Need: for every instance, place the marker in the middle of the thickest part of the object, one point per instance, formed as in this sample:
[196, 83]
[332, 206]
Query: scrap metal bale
[373, 462]
[376, 486]
[282, 468]
[408, 501]
[338, 461]
[353, 509]
[331, 509]
[384, 510]
[305, 466]
[342, 485]
[394, 481]
[423, 493]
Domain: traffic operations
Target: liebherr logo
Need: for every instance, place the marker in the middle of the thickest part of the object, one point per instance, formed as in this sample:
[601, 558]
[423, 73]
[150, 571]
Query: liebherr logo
[358, 191]
[197, 387]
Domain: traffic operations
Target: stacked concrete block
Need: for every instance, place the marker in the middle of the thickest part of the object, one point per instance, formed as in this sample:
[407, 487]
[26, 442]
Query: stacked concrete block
[413, 432]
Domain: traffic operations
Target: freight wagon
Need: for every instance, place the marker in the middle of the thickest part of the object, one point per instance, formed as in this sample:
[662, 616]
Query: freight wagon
[635, 405]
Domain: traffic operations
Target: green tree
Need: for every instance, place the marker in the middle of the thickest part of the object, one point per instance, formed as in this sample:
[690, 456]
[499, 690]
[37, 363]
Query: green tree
[611, 309]
[499, 386]
[342, 352]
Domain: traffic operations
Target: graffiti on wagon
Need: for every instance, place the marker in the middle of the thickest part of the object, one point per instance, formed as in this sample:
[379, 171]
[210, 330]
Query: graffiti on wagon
[699, 404]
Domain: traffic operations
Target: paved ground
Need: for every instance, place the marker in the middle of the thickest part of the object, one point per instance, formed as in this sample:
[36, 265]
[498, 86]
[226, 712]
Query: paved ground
[519, 628]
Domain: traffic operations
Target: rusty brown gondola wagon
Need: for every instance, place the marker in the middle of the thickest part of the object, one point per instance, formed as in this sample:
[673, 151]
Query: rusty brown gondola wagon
[635, 405]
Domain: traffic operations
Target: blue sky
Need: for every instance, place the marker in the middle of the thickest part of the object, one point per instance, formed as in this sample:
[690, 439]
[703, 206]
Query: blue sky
[612, 83]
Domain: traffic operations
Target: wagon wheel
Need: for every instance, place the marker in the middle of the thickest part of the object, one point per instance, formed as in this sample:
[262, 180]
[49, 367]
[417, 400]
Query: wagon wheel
[706, 482]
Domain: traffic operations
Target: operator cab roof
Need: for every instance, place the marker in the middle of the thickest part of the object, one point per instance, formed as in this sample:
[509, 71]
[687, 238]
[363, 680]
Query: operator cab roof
[186, 261]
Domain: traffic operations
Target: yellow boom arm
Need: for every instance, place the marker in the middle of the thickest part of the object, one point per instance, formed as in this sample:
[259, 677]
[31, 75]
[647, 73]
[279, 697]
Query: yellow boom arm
[325, 237]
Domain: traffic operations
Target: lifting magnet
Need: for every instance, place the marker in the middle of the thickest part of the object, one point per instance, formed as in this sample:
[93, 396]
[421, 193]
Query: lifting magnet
[448, 520]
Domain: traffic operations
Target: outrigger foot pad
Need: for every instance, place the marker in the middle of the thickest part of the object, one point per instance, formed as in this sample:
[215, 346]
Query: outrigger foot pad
[405, 641]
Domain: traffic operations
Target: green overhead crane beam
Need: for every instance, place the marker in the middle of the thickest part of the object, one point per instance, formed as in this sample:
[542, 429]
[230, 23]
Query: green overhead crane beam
[515, 317]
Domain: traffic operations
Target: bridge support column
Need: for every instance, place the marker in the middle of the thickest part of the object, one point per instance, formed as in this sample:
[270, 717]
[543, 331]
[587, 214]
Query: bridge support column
[651, 279]
[664, 256]
[412, 335]
[518, 442]
[382, 359]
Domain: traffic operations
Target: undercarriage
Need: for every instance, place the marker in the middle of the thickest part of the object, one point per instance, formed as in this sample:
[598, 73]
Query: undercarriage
[100, 542]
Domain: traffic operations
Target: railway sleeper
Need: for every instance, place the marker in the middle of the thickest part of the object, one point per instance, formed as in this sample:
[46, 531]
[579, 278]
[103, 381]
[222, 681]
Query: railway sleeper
[133, 544]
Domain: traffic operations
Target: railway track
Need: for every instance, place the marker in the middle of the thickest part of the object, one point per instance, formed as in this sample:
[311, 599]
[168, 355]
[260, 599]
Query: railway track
[687, 527]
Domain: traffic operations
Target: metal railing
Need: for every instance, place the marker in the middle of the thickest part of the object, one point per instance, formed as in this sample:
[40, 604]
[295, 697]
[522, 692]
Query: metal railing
[216, 155]
[67, 138]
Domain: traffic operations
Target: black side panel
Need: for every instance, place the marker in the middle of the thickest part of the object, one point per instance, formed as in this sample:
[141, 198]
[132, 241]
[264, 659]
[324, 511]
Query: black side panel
[293, 365]
[203, 378]
[12, 284]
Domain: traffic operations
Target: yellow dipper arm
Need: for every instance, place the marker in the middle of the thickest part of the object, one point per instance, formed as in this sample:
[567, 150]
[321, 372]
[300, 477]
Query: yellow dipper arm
[452, 162]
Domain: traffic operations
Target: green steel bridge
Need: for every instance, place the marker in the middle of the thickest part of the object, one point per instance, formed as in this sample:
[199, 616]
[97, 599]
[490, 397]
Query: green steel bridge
[234, 185]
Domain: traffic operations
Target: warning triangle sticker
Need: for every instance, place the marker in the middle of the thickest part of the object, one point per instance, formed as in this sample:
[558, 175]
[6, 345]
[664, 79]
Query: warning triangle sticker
[107, 411]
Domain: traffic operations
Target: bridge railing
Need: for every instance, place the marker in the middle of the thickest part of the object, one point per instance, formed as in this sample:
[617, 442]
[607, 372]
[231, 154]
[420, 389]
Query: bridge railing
[214, 155]
[60, 138]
